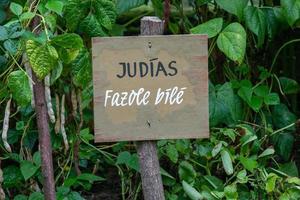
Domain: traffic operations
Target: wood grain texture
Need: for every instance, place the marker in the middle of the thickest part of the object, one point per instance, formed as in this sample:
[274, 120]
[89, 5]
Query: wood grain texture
[147, 151]
[186, 120]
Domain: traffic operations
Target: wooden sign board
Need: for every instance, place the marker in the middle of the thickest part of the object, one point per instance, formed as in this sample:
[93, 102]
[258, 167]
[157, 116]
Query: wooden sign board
[150, 87]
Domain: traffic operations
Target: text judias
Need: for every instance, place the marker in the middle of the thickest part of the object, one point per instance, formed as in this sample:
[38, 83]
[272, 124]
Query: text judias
[141, 96]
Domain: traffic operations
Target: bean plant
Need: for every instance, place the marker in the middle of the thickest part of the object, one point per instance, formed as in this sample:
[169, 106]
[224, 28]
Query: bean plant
[253, 100]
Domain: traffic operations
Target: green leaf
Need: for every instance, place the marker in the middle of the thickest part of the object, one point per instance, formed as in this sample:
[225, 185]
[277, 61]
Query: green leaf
[105, 12]
[3, 33]
[26, 16]
[256, 22]
[18, 84]
[242, 176]
[82, 69]
[261, 91]
[256, 103]
[187, 172]
[245, 93]
[249, 163]
[191, 192]
[20, 197]
[55, 6]
[42, 57]
[269, 151]
[231, 192]
[67, 41]
[56, 72]
[36, 196]
[12, 177]
[37, 159]
[232, 42]
[284, 145]
[271, 182]
[289, 169]
[235, 7]
[74, 11]
[92, 27]
[289, 86]
[272, 99]
[227, 162]
[291, 10]
[172, 153]
[216, 149]
[124, 6]
[211, 27]
[16, 8]
[11, 46]
[89, 177]
[282, 117]
[28, 169]
[20, 125]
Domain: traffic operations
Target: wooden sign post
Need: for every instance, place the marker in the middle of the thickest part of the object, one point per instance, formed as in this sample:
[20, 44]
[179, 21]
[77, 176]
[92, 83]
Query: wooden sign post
[147, 88]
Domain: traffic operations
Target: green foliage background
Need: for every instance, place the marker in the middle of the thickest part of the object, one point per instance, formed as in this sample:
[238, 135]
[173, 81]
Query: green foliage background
[253, 93]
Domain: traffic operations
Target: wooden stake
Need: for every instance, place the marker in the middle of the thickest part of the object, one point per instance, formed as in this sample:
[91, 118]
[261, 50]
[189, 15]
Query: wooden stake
[43, 129]
[147, 151]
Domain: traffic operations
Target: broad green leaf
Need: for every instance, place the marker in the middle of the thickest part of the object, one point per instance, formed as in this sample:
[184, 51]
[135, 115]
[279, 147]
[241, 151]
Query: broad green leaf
[242, 176]
[36, 196]
[289, 168]
[256, 103]
[227, 162]
[291, 10]
[224, 105]
[284, 145]
[282, 117]
[235, 7]
[232, 42]
[12, 177]
[2, 15]
[89, 177]
[3, 33]
[92, 27]
[216, 149]
[172, 153]
[289, 86]
[191, 192]
[271, 182]
[245, 93]
[273, 23]
[18, 84]
[37, 159]
[82, 69]
[294, 180]
[56, 72]
[105, 12]
[20, 197]
[42, 57]
[55, 6]
[256, 22]
[269, 151]
[272, 99]
[28, 169]
[74, 11]
[16, 8]
[231, 192]
[67, 41]
[187, 172]
[26, 16]
[211, 27]
[249, 163]
[215, 182]
[11, 46]
[68, 46]
[261, 91]
[124, 6]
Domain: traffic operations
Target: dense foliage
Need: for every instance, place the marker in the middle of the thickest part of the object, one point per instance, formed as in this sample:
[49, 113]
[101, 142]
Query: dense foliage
[252, 149]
